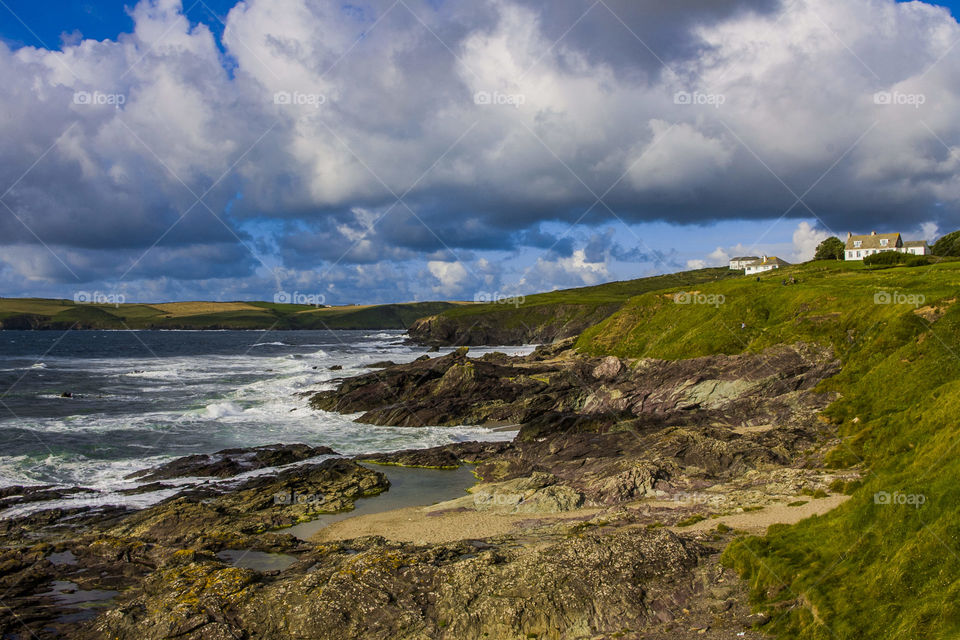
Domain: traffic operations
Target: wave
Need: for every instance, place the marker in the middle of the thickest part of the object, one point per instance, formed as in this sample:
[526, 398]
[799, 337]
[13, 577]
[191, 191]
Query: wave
[164, 374]
[222, 410]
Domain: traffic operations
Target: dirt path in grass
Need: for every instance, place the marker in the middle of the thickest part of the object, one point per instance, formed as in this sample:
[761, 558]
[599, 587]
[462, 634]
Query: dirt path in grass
[756, 522]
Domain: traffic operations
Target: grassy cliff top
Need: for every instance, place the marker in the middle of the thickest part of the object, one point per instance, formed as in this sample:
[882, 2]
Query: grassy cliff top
[597, 295]
[886, 564]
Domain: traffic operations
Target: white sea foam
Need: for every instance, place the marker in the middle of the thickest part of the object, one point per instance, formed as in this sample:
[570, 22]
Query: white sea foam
[222, 409]
[199, 404]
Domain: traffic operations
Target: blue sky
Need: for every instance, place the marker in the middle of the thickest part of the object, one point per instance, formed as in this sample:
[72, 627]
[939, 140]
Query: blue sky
[436, 150]
[46, 23]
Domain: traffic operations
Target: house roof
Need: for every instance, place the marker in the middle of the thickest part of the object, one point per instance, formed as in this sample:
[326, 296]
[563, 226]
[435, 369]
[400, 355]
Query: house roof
[742, 258]
[915, 243]
[872, 241]
[769, 260]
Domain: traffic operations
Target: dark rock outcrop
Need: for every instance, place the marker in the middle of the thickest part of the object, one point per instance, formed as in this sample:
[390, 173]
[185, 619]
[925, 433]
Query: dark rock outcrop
[446, 457]
[772, 386]
[510, 326]
[230, 462]
[257, 504]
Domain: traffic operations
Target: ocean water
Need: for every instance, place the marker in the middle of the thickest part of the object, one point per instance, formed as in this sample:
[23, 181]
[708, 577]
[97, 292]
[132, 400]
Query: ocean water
[142, 398]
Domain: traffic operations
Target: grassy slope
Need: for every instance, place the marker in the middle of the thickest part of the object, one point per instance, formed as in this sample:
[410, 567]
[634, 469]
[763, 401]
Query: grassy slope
[865, 570]
[207, 315]
[568, 305]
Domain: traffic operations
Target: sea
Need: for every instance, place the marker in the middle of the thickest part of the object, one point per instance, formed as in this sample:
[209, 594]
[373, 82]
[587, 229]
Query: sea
[89, 408]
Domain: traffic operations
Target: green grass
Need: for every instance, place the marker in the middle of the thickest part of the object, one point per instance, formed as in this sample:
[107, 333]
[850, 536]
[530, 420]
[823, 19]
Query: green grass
[64, 314]
[866, 569]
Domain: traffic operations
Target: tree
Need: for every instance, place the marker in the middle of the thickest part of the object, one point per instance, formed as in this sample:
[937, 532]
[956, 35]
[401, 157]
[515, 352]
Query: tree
[830, 249]
[948, 245]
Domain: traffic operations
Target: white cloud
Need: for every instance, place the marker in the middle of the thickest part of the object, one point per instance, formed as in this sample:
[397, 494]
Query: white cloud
[805, 241]
[929, 231]
[451, 276]
[574, 270]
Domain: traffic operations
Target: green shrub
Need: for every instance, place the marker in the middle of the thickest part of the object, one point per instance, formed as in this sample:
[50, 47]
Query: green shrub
[691, 520]
[885, 258]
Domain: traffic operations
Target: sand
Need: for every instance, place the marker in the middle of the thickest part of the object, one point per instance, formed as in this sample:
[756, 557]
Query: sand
[438, 524]
[433, 525]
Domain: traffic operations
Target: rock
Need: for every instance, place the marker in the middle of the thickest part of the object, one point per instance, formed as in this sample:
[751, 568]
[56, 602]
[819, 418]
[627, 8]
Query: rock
[579, 586]
[18, 494]
[258, 504]
[336, 367]
[775, 386]
[382, 364]
[444, 457]
[608, 368]
[538, 493]
[230, 462]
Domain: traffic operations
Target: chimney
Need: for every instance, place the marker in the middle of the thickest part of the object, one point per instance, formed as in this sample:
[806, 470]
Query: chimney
[849, 235]
[873, 233]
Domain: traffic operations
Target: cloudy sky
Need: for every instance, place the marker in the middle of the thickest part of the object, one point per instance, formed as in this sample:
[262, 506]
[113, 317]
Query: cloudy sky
[390, 150]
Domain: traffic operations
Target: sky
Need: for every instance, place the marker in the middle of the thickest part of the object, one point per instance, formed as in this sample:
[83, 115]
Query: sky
[395, 150]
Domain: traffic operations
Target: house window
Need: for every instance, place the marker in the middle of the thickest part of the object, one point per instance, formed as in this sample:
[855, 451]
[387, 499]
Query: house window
[857, 243]
[883, 242]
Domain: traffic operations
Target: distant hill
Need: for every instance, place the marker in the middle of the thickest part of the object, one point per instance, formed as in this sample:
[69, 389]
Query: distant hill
[40, 313]
[546, 317]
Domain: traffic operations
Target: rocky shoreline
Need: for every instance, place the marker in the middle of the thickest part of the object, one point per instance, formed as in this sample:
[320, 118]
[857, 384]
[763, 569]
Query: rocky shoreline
[606, 516]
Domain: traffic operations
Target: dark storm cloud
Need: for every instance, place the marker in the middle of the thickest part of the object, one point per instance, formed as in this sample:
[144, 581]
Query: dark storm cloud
[635, 36]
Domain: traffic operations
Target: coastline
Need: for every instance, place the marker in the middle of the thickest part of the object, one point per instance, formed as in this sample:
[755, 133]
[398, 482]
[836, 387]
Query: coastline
[573, 502]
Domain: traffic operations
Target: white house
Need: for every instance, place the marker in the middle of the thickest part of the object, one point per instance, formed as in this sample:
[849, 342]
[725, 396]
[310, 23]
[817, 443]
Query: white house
[741, 262]
[765, 263]
[859, 247]
[916, 247]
